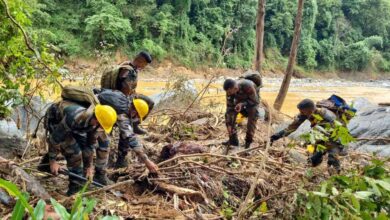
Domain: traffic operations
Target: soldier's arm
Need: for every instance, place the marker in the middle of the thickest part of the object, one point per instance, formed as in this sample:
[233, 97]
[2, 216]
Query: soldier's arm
[298, 120]
[126, 132]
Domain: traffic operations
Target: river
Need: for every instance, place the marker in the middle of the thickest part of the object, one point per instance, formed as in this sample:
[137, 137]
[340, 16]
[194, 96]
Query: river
[316, 89]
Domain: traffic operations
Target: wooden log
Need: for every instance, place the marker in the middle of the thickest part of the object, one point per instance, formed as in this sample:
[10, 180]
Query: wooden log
[180, 191]
[32, 185]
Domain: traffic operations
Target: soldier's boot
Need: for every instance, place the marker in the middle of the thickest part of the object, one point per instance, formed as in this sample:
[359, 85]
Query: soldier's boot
[101, 177]
[233, 141]
[73, 188]
[121, 162]
[247, 144]
[316, 159]
[334, 166]
[44, 165]
[138, 130]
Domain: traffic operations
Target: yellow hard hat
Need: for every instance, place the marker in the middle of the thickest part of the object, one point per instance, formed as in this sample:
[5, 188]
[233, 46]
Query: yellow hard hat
[141, 107]
[106, 117]
[239, 118]
[310, 148]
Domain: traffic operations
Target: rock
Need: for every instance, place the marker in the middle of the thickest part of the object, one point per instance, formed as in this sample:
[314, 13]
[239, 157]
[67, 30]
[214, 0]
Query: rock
[297, 156]
[362, 104]
[27, 117]
[199, 122]
[188, 88]
[8, 127]
[12, 142]
[372, 123]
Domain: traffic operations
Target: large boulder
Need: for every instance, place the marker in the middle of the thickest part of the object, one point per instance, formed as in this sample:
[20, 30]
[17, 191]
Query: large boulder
[372, 124]
[12, 142]
[27, 117]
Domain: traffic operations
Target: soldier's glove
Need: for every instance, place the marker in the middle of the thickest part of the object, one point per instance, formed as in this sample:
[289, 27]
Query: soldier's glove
[275, 137]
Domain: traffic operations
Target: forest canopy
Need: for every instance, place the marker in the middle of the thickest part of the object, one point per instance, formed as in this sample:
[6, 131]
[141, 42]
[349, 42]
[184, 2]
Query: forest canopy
[344, 35]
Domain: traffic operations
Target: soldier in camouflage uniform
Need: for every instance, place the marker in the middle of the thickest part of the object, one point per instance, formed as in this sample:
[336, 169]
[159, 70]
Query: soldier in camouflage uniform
[75, 133]
[308, 111]
[128, 79]
[127, 138]
[241, 97]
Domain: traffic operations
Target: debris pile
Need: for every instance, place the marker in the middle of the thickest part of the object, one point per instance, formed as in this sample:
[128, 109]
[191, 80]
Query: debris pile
[199, 178]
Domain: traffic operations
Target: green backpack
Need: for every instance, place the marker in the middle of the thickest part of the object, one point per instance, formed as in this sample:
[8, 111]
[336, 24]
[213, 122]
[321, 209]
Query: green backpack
[110, 76]
[253, 76]
[80, 95]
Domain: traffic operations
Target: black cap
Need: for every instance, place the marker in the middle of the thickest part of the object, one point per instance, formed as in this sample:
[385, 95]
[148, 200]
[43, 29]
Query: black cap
[306, 104]
[229, 83]
[146, 56]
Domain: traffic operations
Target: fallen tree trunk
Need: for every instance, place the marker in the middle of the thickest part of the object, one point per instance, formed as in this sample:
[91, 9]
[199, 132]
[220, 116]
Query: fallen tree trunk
[32, 185]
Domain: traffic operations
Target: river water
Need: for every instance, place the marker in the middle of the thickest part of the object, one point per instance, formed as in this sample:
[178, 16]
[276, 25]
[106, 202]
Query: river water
[375, 91]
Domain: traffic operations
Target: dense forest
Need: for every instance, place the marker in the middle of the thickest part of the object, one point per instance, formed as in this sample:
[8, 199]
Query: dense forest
[348, 35]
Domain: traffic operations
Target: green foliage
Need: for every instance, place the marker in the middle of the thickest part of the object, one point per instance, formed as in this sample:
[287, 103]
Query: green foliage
[351, 35]
[81, 208]
[19, 65]
[351, 196]
[227, 211]
[107, 26]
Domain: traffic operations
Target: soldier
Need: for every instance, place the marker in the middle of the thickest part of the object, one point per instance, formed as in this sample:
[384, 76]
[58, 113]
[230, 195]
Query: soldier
[241, 97]
[127, 112]
[73, 131]
[308, 110]
[127, 83]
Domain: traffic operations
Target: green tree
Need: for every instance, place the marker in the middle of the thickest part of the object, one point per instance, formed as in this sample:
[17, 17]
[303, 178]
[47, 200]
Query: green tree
[21, 61]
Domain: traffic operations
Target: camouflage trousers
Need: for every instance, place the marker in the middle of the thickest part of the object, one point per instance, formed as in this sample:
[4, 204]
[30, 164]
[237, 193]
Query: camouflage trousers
[333, 152]
[127, 139]
[251, 113]
[79, 153]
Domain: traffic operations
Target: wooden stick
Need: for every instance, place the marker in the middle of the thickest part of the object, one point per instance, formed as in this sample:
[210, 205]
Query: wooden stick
[205, 155]
[107, 188]
[30, 160]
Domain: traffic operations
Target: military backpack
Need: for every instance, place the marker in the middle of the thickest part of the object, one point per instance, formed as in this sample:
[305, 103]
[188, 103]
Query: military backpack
[79, 95]
[110, 76]
[253, 76]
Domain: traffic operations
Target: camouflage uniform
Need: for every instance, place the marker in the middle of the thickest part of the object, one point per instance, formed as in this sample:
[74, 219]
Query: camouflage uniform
[333, 148]
[127, 138]
[76, 139]
[248, 95]
[130, 82]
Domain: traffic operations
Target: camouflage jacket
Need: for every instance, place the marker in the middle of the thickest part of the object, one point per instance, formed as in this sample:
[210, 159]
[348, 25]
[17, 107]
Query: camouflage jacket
[247, 94]
[128, 77]
[325, 116]
[75, 120]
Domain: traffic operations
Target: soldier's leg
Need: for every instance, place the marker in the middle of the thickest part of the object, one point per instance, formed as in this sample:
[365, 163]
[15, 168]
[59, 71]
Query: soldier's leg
[333, 160]
[87, 150]
[251, 126]
[230, 120]
[74, 162]
[316, 158]
[102, 153]
[123, 150]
